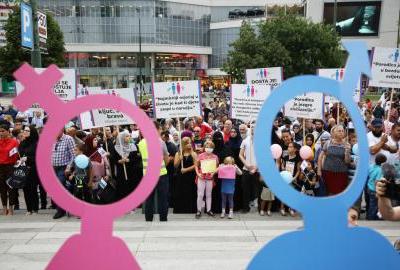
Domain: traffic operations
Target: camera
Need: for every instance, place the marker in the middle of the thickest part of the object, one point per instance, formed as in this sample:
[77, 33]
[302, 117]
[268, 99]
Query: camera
[392, 181]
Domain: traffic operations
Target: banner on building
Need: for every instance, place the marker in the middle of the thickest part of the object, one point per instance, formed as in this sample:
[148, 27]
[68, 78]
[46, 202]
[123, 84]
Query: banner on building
[271, 76]
[309, 105]
[176, 99]
[65, 88]
[385, 67]
[101, 117]
[247, 100]
[338, 75]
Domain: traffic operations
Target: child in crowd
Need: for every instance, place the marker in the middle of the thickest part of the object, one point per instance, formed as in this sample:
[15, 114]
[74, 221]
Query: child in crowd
[374, 174]
[309, 178]
[227, 174]
[291, 163]
[267, 198]
[206, 167]
[81, 179]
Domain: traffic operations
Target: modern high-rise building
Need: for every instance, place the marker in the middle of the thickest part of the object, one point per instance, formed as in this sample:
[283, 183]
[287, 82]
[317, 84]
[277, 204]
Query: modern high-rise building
[188, 39]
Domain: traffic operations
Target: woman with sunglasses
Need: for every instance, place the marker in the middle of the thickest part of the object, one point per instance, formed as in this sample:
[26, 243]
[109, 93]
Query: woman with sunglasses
[27, 152]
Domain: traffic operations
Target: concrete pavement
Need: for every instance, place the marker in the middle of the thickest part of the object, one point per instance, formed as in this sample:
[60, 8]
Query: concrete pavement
[29, 242]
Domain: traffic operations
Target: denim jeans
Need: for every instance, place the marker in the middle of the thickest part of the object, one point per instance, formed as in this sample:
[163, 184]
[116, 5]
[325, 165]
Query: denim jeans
[162, 190]
[372, 209]
[60, 173]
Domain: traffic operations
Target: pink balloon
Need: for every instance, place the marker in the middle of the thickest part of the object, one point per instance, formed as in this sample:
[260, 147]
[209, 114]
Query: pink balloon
[276, 151]
[306, 152]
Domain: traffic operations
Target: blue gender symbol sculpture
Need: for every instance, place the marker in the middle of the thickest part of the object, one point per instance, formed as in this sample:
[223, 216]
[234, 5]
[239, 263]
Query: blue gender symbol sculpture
[326, 242]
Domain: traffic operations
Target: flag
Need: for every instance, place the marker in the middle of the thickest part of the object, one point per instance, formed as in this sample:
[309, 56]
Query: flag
[13, 152]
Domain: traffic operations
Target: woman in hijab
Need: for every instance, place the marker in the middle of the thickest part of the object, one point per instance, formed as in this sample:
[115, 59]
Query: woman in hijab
[129, 171]
[27, 152]
[100, 164]
[234, 142]
[222, 151]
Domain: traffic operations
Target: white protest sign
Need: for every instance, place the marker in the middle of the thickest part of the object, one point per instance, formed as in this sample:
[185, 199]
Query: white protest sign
[385, 68]
[271, 76]
[338, 74]
[309, 105]
[65, 88]
[176, 99]
[105, 116]
[247, 100]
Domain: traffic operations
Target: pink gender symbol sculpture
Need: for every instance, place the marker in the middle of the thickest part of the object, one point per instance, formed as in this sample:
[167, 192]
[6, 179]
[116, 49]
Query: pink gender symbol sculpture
[95, 247]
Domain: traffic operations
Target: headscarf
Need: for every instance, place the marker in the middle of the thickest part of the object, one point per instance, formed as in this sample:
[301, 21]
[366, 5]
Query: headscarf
[234, 142]
[218, 141]
[123, 148]
[92, 152]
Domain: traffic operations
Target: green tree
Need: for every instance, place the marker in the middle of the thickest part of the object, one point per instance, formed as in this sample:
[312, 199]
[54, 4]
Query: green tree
[12, 55]
[289, 41]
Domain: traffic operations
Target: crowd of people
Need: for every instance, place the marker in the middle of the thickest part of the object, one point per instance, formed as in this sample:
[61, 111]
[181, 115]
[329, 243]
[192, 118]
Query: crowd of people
[208, 166]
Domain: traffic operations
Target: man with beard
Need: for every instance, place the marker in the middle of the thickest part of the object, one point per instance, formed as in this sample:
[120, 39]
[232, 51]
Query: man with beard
[250, 177]
[377, 140]
[243, 131]
[318, 132]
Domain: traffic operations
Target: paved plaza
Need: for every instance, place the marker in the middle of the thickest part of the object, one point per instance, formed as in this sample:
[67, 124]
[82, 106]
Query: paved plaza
[28, 242]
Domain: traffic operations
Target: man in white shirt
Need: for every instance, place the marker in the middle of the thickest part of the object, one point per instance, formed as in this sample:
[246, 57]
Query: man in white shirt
[318, 132]
[377, 140]
[250, 177]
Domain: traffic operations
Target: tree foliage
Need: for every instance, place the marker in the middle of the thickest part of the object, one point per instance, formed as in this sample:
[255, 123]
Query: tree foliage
[288, 41]
[12, 55]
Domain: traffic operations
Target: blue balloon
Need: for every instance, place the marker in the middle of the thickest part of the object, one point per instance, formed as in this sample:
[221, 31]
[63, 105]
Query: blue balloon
[81, 161]
[287, 176]
[355, 149]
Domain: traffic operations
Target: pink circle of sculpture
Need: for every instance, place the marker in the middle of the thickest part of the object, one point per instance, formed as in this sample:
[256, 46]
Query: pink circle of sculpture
[95, 247]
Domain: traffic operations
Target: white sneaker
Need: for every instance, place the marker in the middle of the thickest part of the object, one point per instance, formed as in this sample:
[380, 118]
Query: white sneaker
[230, 215]
[292, 213]
[268, 213]
[223, 214]
[262, 213]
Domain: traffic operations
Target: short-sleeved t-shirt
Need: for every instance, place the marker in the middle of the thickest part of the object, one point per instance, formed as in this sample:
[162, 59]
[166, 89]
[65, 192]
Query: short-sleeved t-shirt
[372, 140]
[206, 156]
[248, 146]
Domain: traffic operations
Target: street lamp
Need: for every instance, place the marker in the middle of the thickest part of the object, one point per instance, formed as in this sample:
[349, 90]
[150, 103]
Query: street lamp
[140, 57]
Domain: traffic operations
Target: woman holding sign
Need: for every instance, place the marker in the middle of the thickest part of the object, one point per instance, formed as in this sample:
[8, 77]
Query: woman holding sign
[185, 186]
[206, 166]
[128, 164]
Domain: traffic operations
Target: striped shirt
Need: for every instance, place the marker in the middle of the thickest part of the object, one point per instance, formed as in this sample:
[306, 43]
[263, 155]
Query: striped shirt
[63, 151]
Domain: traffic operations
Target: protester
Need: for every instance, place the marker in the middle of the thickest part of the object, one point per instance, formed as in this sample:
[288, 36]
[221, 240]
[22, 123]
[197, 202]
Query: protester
[185, 195]
[27, 152]
[250, 177]
[334, 161]
[63, 155]
[162, 187]
[374, 175]
[227, 175]
[128, 171]
[8, 157]
[206, 166]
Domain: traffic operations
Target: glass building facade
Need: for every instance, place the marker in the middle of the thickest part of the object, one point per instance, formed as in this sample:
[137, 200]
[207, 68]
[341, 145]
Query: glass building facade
[92, 26]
